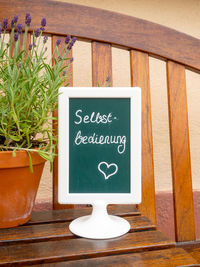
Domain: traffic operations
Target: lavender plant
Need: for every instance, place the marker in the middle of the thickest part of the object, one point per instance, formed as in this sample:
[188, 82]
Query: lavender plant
[29, 88]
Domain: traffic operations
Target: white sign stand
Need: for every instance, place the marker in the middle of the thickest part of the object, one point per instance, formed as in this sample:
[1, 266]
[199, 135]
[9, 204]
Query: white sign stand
[99, 225]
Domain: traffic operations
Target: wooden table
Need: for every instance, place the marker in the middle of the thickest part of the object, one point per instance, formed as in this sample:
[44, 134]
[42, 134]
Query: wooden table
[46, 240]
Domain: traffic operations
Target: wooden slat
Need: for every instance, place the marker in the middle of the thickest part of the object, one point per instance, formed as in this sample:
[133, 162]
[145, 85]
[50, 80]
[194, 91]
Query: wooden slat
[80, 248]
[103, 25]
[140, 77]
[192, 247]
[58, 231]
[161, 258]
[180, 153]
[56, 205]
[67, 215]
[195, 253]
[101, 63]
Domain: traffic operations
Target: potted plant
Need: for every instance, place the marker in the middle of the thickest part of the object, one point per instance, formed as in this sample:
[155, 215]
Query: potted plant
[28, 95]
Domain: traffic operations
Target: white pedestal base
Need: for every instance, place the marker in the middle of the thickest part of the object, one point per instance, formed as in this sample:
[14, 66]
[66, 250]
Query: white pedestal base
[99, 225]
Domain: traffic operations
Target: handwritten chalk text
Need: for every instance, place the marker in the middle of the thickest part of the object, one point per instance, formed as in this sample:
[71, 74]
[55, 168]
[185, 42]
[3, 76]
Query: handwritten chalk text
[92, 118]
[101, 140]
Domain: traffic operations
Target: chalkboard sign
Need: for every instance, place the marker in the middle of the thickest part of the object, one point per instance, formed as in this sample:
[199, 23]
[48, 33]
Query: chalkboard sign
[99, 145]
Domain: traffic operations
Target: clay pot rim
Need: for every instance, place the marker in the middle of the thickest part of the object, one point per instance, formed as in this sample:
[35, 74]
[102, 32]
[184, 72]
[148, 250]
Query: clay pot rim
[7, 160]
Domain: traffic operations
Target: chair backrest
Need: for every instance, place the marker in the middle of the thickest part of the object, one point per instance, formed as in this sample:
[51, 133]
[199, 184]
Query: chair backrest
[105, 29]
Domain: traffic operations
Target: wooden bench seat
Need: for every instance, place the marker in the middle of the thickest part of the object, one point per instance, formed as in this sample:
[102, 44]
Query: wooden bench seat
[53, 225]
[49, 240]
[165, 257]
[192, 247]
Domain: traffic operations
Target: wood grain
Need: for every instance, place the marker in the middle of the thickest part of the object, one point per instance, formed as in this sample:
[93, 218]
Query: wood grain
[162, 258]
[69, 81]
[50, 216]
[102, 25]
[74, 249]
[59, 231]
[140, 77]
[180, 153]
[192, 247]
[101, 63]
[195, 253]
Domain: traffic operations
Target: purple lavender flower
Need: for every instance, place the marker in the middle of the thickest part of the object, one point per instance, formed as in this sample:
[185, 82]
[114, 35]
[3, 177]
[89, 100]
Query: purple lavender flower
[73, 41]
[16, 36]
[28, 19]
[5, 23]
[71, 60]
[64, 73]
[19, 27]
[45, 39]
[34, 44]
[37, 33]
[108, 79]
[67, 39]
[43, 22]
[30, 47]
[58, 42]
[27, 15]
[14, 21]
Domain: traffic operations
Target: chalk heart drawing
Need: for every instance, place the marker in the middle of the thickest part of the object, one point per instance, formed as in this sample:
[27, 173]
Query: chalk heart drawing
[107, 170]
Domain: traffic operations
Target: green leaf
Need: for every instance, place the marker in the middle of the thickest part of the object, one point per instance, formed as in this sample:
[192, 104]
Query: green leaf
[44, 155]
[30, 162]
[15, 138]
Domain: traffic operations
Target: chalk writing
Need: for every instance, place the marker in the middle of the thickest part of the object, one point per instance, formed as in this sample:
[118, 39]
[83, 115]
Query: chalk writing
[101, 140]
[93, 117]
[98, 118]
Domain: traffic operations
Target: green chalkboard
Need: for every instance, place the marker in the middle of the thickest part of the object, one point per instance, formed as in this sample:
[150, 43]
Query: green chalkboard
[99, 145]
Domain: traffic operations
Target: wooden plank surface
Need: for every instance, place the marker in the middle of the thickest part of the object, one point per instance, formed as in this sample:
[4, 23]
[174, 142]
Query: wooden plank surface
[101, 63]
[79, 248]
[58, 231]
[192, 247]
[162, 258]
[180, 153]
[103, 25]
[195, 253]
[67, 215]
[69, 81]
[140, 77]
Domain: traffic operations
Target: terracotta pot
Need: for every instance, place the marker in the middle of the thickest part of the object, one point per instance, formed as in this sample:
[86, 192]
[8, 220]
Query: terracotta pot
[18, 186]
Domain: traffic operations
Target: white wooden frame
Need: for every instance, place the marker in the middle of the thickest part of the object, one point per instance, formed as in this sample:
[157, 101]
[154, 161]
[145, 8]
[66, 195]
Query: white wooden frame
[134, 93]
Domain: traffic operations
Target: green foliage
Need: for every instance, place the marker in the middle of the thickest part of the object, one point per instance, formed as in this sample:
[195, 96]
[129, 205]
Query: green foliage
[28, 93]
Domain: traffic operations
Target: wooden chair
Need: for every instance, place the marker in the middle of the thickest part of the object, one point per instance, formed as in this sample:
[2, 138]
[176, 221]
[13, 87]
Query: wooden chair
[46, 238]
